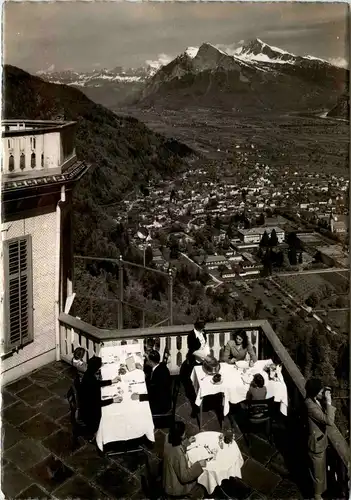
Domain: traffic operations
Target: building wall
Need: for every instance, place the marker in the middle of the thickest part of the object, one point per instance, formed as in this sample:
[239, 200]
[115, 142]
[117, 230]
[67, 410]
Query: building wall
[256, 238]
[42, 229]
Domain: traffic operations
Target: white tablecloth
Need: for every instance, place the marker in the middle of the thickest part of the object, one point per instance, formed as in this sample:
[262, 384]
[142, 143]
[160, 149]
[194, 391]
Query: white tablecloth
[129, 419]
[226, 464]
[234, 388]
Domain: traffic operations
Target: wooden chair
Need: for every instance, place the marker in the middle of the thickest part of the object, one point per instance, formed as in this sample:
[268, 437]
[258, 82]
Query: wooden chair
[164, 420]
[78, 426]
[260, 413]
[152, 480]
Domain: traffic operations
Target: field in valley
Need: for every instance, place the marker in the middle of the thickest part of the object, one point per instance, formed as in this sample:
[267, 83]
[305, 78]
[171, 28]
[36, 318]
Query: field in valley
[315, 144]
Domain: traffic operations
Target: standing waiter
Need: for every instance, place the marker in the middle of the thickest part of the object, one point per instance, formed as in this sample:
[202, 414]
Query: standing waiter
[198, 349]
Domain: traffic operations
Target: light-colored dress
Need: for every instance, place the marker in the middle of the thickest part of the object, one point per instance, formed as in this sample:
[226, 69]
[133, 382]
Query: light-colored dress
[237, 352]
[318, 421]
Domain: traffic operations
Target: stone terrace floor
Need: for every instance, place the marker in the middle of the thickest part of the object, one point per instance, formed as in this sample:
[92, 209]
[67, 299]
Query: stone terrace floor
[38, 460]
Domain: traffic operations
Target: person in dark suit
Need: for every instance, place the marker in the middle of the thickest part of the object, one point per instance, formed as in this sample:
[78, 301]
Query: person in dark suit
[198, 349]
[320, 414]
[90, 402]
[257, 390]
[158, 382]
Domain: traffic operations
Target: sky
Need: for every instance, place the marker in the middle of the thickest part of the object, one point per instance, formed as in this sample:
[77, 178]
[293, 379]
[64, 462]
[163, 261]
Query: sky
[83, 36]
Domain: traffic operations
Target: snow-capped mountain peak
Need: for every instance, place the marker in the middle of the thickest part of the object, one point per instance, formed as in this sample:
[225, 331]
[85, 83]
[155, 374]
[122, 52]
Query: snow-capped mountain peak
[257, 50]
[192, 52]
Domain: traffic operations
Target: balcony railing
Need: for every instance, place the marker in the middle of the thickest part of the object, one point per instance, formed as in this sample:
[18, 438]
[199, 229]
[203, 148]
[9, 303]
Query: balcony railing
[173, 339]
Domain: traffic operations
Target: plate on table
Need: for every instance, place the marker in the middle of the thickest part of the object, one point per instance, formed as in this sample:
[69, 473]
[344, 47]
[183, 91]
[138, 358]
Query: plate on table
[216, 383]
[242, 364]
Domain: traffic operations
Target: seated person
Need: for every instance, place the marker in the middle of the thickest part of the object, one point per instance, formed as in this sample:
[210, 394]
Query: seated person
[257, 390]
[90, 402]
[158, 382]
[198, 347]
[78, 363]
[238, 348]
[178, 479]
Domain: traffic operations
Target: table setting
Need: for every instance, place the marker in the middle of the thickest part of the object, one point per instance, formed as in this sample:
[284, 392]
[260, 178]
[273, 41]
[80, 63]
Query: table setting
[223, 456]
[127, 418]
[234, 382]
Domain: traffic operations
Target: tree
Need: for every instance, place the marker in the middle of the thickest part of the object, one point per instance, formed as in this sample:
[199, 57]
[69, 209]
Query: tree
[230, 233]
[279, 260]
[261, 220]
[292, 255]
[258, 308]
[273, 241]
[247, 223]
[222, 268]
[217, 223]
[312, 300]
[148, 255]
[209, 220]
[264, 243]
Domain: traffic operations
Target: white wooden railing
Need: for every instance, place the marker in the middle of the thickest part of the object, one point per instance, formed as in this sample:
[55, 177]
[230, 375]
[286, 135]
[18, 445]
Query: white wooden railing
[171, 339]
[75, 333]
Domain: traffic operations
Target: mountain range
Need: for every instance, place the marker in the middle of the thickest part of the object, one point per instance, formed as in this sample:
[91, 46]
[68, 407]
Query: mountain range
[123, 152]
[253, 76]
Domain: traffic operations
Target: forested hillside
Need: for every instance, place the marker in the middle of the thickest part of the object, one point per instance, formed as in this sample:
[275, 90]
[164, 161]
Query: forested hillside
[123, 152]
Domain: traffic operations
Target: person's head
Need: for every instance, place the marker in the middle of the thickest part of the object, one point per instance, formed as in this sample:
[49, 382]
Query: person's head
[94, 364]
[314, 388]
[153, 357]
[78, 356]
[258, 380]
[240, 338]
[199, 325]
[176, 433]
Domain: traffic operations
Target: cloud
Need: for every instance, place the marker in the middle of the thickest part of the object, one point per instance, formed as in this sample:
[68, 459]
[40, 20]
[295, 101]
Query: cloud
[341, 62]
[162, 60]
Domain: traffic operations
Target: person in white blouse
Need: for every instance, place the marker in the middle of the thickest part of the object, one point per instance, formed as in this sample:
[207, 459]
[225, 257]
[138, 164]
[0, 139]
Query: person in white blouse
[198, 347]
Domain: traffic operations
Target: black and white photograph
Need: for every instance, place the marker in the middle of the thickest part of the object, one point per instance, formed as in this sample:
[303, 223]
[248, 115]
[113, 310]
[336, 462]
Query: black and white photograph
[175, 305]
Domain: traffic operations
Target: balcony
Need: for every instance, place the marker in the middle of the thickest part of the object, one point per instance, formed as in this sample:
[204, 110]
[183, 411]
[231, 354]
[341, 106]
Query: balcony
[39, 461]
[36, 148]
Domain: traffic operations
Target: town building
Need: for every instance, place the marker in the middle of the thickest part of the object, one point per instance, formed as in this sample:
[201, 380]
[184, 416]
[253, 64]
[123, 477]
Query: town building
[333, 255]
[254, 235]
[339, 223]
[212, 261]
[40, 168]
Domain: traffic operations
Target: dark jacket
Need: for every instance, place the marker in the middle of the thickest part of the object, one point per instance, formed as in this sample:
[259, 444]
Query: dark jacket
[158, 384]
[90, 402]
[193, 345]
[256, 393]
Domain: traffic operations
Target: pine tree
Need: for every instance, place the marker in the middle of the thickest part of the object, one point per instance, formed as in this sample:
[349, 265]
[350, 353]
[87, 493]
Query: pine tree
[273, 239]
[264, 243]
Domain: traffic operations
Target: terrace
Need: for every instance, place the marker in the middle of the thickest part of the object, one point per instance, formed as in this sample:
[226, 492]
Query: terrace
[39, 460]
[33, 149]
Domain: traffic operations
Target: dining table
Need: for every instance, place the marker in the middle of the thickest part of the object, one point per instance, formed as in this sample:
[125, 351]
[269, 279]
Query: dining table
[130, 418]
[223, 460]
[235, 382]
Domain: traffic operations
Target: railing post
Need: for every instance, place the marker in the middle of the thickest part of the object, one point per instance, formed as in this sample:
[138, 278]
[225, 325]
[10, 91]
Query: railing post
[170, 299]
[120, 305]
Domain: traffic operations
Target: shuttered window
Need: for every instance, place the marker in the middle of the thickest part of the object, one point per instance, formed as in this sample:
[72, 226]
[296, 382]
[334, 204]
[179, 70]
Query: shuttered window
[19, 293]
